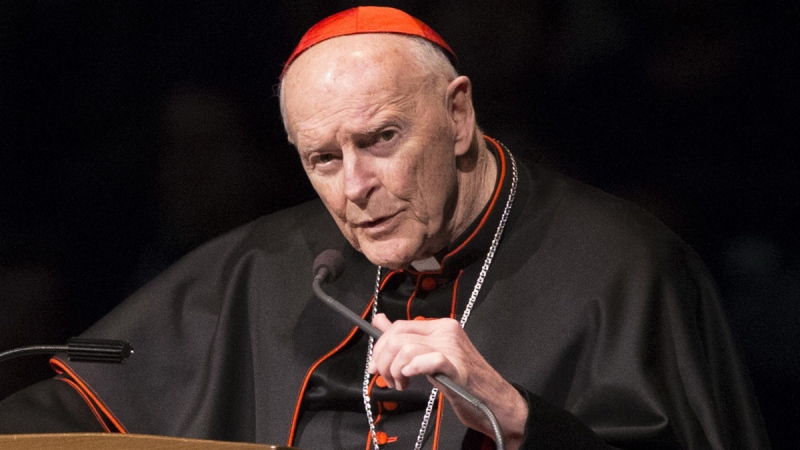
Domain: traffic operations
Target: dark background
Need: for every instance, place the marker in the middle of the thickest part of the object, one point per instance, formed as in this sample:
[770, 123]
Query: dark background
[133, 131]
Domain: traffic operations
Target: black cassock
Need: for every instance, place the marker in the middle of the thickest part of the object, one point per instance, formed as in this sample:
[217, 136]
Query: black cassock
[603, 318]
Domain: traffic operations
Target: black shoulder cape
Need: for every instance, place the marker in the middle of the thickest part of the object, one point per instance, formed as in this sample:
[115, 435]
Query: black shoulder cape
[605, 320]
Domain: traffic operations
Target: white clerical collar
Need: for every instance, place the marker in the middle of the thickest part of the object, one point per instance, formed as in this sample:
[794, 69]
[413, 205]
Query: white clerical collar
[427, 265]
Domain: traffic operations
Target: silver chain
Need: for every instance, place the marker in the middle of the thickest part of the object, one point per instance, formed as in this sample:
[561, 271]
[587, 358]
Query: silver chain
[365, 385]
[475, 290]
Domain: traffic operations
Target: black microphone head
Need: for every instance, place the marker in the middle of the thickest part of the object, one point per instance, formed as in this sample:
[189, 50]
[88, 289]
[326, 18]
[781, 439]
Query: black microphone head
[330, 259]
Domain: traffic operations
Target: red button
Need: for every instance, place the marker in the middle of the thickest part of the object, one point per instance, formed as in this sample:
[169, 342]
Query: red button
[428, 284]
[380, 382]
[382, 437]
[389, 406]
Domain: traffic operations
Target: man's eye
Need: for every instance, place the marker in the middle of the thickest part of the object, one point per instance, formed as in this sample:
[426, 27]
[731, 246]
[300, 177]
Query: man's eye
[323, 158]
[387, 135]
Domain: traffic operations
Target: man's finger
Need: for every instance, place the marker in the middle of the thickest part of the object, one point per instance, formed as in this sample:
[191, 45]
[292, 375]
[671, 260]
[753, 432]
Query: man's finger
[427, 364]
[381, 322]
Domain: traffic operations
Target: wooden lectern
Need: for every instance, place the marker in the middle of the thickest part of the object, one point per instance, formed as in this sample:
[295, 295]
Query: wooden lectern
[108, 441]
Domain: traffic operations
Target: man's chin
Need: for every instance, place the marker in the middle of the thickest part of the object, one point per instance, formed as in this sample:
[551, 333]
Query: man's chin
[391, 258]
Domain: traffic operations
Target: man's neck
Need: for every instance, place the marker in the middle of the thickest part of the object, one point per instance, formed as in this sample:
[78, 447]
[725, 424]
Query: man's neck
[477, 181]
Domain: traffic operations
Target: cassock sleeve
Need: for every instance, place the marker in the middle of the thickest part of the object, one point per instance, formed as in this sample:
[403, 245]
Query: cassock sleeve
[625, 343]
[663, 372]
[549, 427]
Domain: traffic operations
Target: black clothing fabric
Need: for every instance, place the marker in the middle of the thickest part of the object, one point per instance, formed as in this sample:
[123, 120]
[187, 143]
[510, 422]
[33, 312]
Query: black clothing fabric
[52, 406]
[605, 321]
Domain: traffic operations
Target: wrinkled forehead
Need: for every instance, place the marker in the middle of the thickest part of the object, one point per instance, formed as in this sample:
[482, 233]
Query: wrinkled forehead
[351, 82]
[358, 72]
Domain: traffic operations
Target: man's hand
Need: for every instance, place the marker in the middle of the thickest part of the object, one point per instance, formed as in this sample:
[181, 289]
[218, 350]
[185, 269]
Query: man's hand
[427, 347]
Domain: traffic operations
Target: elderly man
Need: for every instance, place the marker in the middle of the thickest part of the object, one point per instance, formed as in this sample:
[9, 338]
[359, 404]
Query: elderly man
[576, 318]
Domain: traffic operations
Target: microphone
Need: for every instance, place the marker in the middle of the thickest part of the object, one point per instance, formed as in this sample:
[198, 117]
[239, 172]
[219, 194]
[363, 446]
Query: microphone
[331, 261]
[328, 265]
[78, 349]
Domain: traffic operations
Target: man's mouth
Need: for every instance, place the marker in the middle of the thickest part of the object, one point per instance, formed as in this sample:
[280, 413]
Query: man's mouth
[375, 225]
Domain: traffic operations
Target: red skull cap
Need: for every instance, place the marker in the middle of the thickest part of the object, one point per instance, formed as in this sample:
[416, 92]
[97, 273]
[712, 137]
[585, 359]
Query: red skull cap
[367, 19]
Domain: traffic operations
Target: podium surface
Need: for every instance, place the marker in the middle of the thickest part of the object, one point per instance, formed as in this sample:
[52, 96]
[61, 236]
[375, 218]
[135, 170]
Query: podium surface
[98, 441]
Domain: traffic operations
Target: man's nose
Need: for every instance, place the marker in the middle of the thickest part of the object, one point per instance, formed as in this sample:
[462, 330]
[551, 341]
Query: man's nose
[359, 177]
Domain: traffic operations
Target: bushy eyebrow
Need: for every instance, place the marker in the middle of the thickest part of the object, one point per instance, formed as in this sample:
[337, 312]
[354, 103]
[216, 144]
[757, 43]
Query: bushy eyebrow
[391, 120]
[371, 134]
[382, 125]
[308, 149]
[309, 144]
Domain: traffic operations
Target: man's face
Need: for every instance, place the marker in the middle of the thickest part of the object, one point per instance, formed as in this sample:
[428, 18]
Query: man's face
[376, 141]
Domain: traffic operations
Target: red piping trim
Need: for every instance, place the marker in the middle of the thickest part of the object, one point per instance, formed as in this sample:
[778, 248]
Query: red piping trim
[454, 302]
[88, 401]
[439, 411]
[389, 275]
[61, 368]
[411, 299]
[370, 387]
[369, 441]
[494, 197]
[311, 370]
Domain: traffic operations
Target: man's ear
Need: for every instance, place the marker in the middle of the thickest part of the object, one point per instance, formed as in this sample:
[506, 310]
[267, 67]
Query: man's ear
[461, 113]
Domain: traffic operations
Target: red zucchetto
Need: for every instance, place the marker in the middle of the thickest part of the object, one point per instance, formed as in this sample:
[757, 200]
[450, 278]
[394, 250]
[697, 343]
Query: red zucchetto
[367, 19]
